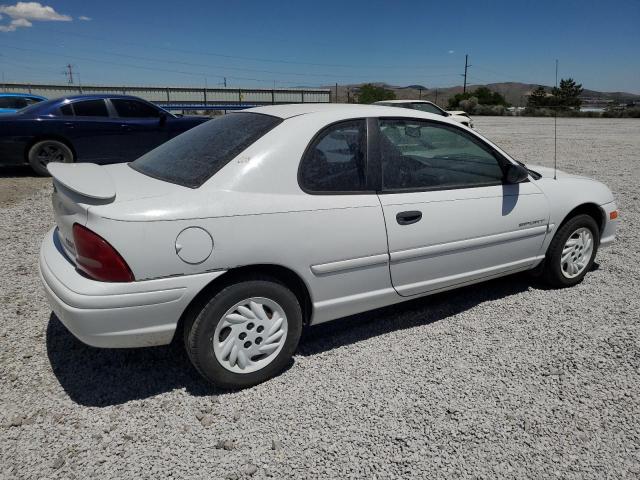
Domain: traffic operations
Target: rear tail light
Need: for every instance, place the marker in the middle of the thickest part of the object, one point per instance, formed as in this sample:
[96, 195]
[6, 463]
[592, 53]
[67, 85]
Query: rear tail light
[613, 215]
[98, 259]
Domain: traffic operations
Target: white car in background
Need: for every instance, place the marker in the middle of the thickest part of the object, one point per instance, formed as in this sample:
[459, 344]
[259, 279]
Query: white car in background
[240, 231]
[430, 107]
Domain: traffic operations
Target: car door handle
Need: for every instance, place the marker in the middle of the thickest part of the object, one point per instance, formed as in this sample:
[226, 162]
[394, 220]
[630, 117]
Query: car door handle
[408, 217]
[69, 124]
[126, 128]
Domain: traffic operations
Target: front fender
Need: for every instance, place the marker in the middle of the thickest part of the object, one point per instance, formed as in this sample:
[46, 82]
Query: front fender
[565, 194]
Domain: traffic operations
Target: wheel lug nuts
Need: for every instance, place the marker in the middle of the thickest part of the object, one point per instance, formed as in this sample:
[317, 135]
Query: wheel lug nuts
[247, 344]
[260, 329]
[258, 340]
[250, 326]
[242, 336]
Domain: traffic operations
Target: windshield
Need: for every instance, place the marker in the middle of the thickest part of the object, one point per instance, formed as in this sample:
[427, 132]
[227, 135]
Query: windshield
[195, 156]
[427, 107]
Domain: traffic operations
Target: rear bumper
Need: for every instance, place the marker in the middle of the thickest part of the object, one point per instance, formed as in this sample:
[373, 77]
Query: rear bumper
[115, 315]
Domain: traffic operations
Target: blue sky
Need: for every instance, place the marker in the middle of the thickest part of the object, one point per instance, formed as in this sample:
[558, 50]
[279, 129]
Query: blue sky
[300, 43]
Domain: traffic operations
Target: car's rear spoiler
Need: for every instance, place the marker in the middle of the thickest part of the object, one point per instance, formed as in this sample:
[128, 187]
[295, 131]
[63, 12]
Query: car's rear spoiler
[86, 179]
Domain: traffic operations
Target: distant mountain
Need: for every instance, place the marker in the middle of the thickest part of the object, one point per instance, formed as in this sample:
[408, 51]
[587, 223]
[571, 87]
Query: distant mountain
[516, 93]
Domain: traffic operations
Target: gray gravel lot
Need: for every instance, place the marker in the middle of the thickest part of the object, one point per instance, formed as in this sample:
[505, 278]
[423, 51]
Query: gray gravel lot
[500, 380]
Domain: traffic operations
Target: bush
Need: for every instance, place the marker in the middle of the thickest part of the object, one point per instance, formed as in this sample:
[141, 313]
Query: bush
[371, 93]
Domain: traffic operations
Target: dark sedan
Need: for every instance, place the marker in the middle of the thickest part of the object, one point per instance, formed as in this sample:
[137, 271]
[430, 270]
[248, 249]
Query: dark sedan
[87, 128]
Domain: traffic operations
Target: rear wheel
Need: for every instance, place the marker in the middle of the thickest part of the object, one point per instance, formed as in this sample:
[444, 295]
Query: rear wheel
[245, 334]
[46, 151]
[572, 252]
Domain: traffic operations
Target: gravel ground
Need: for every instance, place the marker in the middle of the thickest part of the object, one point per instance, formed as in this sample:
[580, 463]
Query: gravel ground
[504, 379]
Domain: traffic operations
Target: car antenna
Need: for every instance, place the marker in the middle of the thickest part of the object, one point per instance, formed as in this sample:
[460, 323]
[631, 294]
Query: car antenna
[555, 131]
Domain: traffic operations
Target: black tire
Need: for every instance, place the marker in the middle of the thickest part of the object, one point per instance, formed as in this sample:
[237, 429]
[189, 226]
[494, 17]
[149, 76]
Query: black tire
[46, 151]
[553, 270]
[200, 329]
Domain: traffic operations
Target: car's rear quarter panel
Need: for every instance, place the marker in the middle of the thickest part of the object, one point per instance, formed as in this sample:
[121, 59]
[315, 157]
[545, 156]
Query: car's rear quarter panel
[256, 213]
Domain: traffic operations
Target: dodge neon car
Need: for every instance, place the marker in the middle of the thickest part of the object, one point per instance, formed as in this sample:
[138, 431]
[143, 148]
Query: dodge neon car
[237, 233]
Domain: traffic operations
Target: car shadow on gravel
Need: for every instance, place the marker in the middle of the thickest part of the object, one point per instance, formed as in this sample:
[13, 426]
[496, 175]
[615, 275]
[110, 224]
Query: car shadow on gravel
[99, 377]
[13, 171]
[413, 313]
[103, 377]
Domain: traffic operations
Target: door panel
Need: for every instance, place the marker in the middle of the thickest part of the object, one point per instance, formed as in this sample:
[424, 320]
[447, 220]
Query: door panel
[142, 127]
[463, 234]
[450, 218]
[95, 139]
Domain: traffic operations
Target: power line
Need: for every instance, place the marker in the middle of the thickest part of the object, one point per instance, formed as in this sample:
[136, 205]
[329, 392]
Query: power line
[201, 65]
[240, 57]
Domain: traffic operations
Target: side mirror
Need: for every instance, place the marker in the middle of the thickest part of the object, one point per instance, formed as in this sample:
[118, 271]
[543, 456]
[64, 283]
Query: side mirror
[163, 119]
[516, 174]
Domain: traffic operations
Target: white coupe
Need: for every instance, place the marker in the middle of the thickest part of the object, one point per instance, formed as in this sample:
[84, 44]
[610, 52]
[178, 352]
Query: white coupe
[244, 229]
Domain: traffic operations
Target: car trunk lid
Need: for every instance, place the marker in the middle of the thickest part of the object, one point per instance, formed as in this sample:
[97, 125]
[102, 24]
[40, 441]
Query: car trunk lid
[77, 188]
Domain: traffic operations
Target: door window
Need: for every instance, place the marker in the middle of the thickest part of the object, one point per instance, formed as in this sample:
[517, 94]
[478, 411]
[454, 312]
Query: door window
[134, 109]
[90, 108]
[418, 155]
[335, 160]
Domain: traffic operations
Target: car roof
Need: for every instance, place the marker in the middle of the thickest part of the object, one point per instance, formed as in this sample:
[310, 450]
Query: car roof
[403, 101]
[2, 94]
[341, 110]
[99, 96]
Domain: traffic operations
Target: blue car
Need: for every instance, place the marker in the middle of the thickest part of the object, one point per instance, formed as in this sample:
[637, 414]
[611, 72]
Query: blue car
[12, 102]
[87, 128]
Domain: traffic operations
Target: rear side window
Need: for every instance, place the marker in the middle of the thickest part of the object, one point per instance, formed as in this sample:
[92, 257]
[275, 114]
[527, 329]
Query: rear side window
[134, 109]
[335, 159]
[193, 157]
[66, 110]
[90, 108]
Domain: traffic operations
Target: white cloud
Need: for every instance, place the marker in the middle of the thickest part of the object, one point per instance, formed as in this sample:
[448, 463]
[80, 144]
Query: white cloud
[452, 51]
[84, 18]
[15, 24]
[23, 13]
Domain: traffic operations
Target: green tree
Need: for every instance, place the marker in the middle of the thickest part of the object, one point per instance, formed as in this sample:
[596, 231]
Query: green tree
[371, 93]
[454, 101]
[538, 98]
[483, 96]
[568, 94]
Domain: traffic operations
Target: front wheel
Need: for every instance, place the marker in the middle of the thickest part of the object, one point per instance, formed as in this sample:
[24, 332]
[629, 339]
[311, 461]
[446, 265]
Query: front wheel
[246, 334]
[44, 152]
[572, 252]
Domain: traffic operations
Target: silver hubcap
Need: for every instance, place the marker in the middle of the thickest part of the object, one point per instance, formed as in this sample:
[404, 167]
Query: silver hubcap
[577, 253]
[51, 152]
[250, 335]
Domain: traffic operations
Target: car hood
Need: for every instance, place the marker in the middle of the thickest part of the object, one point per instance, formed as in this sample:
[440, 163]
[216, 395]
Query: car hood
[548, 172]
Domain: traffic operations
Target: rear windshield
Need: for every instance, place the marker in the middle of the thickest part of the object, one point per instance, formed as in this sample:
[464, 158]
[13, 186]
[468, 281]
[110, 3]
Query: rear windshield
[195, 156]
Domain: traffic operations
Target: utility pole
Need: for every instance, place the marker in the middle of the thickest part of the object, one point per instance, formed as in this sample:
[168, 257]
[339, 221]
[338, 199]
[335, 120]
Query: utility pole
[419, 94]
[466, 65]
[336, 92]
[69, 73]
[436, 102]
[225, 82]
